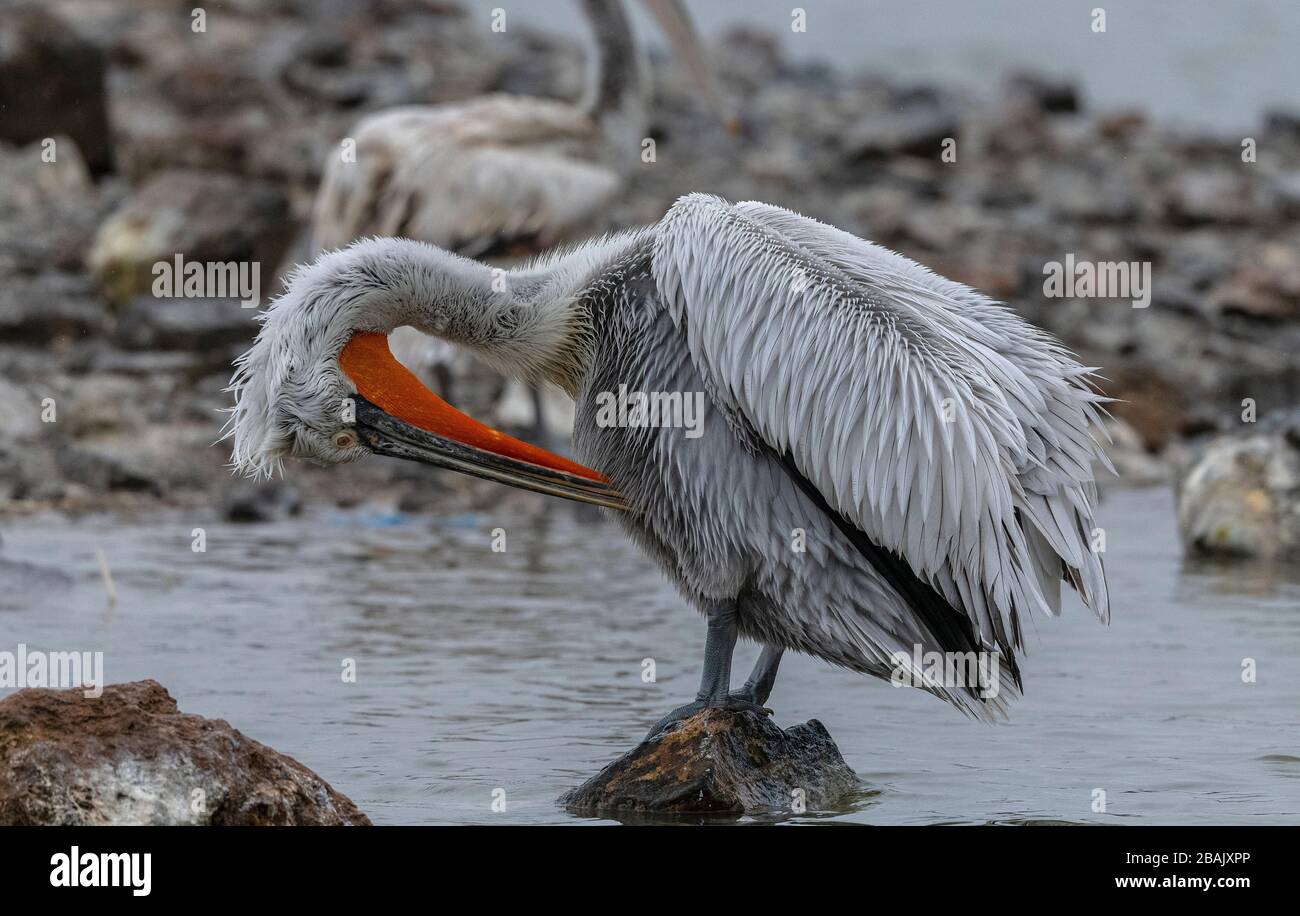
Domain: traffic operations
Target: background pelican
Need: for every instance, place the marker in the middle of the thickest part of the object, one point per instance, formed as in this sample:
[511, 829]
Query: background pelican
[475, 175]
[502, 170]
[929, 451]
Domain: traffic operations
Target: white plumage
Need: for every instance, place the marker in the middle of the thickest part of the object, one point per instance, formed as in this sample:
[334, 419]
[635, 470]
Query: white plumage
[935, 449]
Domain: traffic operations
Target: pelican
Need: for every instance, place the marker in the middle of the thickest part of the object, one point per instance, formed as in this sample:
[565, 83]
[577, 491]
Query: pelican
[890, 464]
[502, 170]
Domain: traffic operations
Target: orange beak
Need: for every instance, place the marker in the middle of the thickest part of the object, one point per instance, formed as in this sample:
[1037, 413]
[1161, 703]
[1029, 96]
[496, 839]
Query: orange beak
[455, 440]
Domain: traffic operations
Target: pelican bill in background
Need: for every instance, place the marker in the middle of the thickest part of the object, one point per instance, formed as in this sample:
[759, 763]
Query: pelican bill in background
[933, 449]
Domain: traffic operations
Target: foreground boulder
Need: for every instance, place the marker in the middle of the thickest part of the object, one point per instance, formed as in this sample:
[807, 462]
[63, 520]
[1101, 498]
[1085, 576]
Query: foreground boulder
[720, 762]
[130, 757]
[1241, 497]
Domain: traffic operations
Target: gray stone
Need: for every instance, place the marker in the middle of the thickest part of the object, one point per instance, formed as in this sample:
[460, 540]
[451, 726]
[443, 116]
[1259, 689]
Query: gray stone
[185, 324]
[1241, 496]
[919, 130]
[202, 216]
[720, 762]
[261, 502]
[39, 309]
[1215, 195]
[28, 180]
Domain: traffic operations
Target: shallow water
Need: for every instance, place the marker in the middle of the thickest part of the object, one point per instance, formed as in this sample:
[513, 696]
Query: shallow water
[1191, 63]
[522, 670]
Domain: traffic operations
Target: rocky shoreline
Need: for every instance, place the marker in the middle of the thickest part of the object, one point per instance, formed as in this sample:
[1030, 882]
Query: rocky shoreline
[216, 144]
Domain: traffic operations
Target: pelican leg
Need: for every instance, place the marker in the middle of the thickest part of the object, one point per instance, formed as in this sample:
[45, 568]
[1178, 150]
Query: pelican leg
[758, 687]
[540, 433]
[715, 683]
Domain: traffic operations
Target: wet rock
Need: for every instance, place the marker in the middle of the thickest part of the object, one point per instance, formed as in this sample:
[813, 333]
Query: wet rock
[1283, 122]
[1134, 465]
[261, 502]
[1267, 285]
[25, 473]
[918, 130]
[747, 59]
[720, 762]
[52, 82]
[130, 757]
[185, 324]
[20, 412]
[1214, 195]
[203, 216]
[1241, 496]
[102, 404]
[98, 470]
[1043, 92]
[1148, 402]
[1078, 195]
[31, 177]
[1287, 191]
[39, 309]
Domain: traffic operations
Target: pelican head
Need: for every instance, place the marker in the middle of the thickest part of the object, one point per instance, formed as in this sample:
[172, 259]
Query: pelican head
[320, 384]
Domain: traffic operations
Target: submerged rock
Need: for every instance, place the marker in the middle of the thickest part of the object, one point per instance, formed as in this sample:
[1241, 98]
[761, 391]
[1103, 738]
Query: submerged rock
[720, 762]
[1241, 497]
[130, 757]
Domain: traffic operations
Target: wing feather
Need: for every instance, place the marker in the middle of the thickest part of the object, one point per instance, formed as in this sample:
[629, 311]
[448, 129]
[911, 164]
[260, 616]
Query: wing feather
[940, 424]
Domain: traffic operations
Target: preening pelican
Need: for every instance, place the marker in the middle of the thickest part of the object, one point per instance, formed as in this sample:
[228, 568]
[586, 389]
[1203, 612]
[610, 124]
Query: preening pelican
[890, 464]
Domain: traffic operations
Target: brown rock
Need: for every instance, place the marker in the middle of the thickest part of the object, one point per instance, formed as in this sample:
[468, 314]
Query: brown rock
[130, 757]
[1265, 286]
[719, 762]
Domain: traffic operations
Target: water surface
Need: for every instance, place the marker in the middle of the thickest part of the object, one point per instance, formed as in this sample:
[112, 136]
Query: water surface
[522, 670]
[1192, 63]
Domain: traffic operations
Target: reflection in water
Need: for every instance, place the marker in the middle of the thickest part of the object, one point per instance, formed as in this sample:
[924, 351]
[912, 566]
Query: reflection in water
[1262, 579]
[521, 670]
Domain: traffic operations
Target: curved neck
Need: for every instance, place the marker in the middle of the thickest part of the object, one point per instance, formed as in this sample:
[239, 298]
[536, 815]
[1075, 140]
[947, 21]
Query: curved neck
[616, 89]
[532, 323]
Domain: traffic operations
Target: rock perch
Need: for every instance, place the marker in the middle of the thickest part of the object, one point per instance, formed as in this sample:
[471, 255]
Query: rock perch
[131, 757]
[720, 762]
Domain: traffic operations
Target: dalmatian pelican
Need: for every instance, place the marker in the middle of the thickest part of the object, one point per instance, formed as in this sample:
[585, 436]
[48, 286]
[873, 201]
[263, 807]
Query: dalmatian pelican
[890, 464]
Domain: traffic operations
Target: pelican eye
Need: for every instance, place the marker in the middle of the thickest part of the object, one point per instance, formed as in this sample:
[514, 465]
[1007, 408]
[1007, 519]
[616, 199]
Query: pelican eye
[343, 439]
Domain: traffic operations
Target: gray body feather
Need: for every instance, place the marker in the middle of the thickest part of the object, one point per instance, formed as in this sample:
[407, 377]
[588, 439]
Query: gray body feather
[827, 365]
